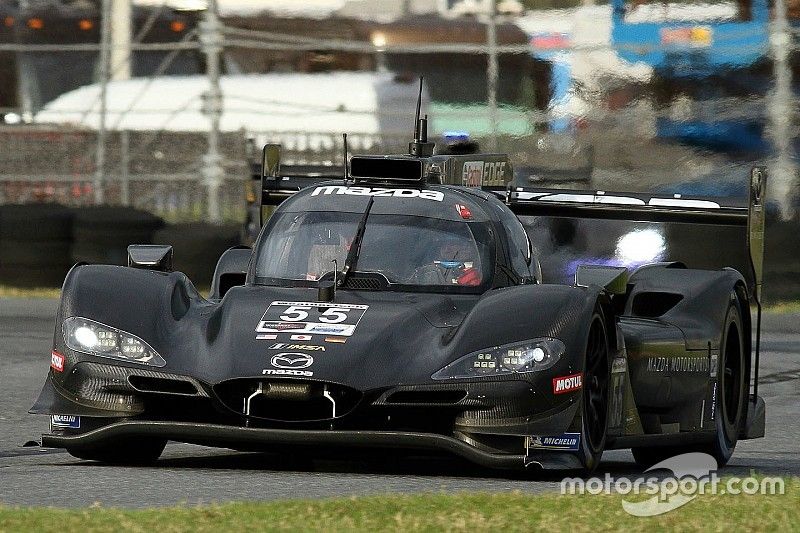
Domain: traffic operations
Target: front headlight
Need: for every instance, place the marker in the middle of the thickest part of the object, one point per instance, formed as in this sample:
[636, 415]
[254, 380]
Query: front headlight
[94, 338]
[517, 358]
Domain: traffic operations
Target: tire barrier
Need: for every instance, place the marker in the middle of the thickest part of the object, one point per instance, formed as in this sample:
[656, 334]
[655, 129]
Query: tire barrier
[102, 234]
[197, 247]
[35, 244]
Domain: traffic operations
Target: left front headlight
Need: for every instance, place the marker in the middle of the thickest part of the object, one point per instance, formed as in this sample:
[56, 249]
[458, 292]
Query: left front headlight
[517, 358]
[94, 338]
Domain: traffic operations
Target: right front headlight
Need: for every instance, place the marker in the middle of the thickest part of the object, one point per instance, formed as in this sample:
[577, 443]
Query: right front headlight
[88, 336]
[516, 358]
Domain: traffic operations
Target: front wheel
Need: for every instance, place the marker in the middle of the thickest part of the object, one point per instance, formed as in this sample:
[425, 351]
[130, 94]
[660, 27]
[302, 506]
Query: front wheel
[133, 453]
[594, 413]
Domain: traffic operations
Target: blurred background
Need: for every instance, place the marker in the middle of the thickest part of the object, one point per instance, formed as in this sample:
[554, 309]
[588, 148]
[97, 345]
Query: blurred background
[135, 120]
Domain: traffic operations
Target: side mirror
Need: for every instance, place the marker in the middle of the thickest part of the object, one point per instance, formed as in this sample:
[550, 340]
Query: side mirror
[150, 256]
[271, 161]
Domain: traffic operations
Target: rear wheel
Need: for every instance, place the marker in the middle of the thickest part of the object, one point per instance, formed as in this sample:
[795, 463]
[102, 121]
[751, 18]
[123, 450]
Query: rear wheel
[729, 399]
[594, 414]
[135, 452]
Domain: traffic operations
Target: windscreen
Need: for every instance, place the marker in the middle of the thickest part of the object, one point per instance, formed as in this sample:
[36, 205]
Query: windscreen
[410, 251]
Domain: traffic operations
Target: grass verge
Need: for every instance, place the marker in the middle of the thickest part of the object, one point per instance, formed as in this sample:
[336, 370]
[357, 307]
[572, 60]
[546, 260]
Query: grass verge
[428, 512]
[7, 291]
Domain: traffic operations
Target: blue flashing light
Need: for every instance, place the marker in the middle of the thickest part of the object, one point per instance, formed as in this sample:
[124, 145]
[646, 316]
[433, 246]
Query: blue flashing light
[455, 136]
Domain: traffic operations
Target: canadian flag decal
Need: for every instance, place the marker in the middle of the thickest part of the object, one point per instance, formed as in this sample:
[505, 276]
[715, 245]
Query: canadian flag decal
[567, 383]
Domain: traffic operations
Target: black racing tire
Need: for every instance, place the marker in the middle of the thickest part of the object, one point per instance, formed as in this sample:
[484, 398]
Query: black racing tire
[103, 218]
[89, 252]
[729, 407]
[594, 407]
[34, 253]
[197, 247]
[138, 452]
[36, 222]
[27, 276]
[731, 386]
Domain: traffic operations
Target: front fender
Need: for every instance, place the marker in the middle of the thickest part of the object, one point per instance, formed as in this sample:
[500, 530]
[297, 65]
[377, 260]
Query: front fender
[148, 304]
[525, 312]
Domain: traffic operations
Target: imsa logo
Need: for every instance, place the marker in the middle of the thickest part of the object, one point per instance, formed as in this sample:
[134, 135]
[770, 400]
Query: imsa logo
[569, 383]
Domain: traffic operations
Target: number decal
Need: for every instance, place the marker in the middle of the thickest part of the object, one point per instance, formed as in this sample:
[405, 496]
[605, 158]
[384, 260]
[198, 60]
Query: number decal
[300, 312]
[311, 318]
[334, 315]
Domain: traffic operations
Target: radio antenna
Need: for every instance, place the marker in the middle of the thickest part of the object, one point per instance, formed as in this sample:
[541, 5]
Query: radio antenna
[416, 116]
[420, 147]
[344, 143]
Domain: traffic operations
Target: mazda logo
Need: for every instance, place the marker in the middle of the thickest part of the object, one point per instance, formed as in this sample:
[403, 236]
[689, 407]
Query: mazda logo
[292, 361]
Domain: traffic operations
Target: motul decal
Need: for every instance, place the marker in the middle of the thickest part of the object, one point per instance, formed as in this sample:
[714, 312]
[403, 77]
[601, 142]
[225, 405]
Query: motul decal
[57, 361]
[567, 383]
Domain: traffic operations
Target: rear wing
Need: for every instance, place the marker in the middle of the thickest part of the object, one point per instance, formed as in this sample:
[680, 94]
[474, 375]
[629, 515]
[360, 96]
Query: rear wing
[638, 207]
[728, 216]
[280, 181]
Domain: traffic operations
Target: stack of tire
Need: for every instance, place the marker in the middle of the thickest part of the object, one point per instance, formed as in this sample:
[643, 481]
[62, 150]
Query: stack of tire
[197, 247]
[102, 234]
[35, 242]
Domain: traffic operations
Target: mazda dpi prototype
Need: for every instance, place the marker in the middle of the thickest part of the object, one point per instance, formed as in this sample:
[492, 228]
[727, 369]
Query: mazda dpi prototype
[405, 307]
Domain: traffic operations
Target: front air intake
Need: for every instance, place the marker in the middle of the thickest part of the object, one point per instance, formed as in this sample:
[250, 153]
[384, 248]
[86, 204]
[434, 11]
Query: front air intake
[287, 400]
[162, 385]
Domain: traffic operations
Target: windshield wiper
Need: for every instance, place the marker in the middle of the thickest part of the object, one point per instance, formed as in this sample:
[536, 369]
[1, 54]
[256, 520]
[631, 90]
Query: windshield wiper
[355, 246]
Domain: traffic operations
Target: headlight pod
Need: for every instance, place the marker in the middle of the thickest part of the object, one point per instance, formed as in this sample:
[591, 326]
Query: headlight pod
[517, 358]
[94, 338]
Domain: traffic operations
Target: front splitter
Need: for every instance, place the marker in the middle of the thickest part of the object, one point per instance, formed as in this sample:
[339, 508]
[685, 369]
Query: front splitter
[230, 437]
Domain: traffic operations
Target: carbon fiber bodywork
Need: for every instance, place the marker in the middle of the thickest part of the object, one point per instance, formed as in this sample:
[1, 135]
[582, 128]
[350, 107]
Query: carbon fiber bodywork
[374, 386]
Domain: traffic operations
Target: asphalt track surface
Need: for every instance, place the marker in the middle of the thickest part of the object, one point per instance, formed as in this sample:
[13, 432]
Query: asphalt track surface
[194, 475]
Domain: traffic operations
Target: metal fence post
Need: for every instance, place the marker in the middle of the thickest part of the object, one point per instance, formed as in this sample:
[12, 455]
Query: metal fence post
[212, 171]
[781, 113]
[492, 72]
[125, 164]
[105, 53]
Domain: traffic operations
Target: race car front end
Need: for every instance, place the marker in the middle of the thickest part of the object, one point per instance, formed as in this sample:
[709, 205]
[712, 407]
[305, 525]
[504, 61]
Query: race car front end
[212, 377]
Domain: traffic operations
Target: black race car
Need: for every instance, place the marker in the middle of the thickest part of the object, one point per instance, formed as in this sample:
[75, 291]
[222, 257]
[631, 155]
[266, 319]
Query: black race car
[403, 306]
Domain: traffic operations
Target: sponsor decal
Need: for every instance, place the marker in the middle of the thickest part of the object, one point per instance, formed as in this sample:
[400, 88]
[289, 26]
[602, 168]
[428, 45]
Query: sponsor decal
[569, 383]
[65, 421]
[677, 364]
[340, 340]
[479, 173]
[284, 372]
[619, 365]
[472, 173]
[714, 402]
[566, 441]
[307, 318]
[291, 361]
[712, 367]
[264, 337]
[280, 326]
[464, 211]
[437, 196]
[57, 361]
[307, 347]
